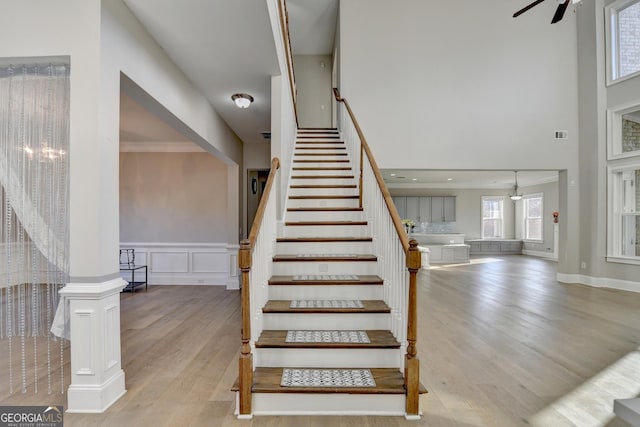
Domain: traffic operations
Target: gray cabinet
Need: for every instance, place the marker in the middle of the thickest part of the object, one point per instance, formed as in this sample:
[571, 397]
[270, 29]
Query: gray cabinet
[426, 208]
[495, 247]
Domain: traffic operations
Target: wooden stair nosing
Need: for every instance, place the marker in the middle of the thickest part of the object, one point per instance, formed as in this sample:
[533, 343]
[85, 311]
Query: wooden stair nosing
[325, 209]
[320, 168]
[320, 148]
[335, 186]
[388, 381]
[283, 306]
[321, 258]
[331, 223]
[277, 339]
[322, 161]
[327, 196]
[322, 177]
[361, 280]
[320, 154]
[323, 239]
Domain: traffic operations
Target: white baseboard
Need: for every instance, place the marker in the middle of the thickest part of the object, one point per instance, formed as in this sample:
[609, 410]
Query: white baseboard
[540, 254]
[207, 264]
[599, 282]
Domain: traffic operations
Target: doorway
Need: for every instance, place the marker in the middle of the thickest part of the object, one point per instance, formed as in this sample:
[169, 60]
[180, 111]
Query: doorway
[256, 181]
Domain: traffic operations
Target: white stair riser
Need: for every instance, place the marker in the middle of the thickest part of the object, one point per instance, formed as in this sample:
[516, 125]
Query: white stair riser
[324, 216]
[316, 157]
[343, 321]
[325, 182]
[325, 292]
[328, 358]
[316, 164]
[290, 248]
[326, 231]
[322, 203]
[328, 404]
[321, 267]
[322, 191]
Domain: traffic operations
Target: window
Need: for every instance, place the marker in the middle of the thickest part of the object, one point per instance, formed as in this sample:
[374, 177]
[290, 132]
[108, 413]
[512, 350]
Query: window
[623, 29]
[532, 210]
[492, 213]
[623, 198]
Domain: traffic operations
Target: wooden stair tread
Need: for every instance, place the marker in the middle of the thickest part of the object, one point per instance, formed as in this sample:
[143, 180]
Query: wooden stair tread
[332, 223]
[388, 381]
[319, 148]
[332, 258]
[320, 154]
[322, 239]
[319, 168]
[283, 306]
[324, 209]
[361, 280]
[276, 339]
[322, 177]
[322, 161]
[346, 186]
[325, 196]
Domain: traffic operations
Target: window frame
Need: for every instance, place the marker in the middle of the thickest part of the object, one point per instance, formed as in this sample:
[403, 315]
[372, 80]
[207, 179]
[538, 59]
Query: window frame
[612, 37]
[614, 131]
[614, 211]
[482, 218]
[524, 201]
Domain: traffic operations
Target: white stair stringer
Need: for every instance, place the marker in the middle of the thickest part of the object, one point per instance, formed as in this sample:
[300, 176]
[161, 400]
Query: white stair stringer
[328, 357]
[328, 404]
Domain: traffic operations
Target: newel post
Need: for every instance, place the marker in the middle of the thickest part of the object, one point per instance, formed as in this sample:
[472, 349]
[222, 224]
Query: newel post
[245, 366]
[412, 364]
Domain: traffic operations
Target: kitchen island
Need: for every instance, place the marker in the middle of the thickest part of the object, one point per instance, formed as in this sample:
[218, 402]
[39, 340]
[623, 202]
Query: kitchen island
[444, 248]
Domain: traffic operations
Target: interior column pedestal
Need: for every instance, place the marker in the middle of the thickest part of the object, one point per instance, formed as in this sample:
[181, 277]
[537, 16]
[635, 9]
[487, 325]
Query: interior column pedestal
[97, 378]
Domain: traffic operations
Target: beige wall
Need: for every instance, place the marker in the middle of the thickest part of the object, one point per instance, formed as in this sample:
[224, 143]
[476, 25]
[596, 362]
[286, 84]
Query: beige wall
[173, 198]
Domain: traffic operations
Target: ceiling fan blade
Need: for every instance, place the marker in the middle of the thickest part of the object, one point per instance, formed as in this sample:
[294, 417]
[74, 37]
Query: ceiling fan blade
[562, 8]
[524, 9]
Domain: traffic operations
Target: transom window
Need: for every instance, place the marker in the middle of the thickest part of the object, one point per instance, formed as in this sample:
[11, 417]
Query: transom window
[492, 217]
[532, 211]
[623, 31]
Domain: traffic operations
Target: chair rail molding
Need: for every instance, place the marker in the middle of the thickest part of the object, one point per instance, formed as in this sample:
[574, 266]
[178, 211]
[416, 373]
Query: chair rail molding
[171, 263]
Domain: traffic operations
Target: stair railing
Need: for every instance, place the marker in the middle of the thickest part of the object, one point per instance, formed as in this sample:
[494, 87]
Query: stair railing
[255, 261]
[286, 39]
[399, 257]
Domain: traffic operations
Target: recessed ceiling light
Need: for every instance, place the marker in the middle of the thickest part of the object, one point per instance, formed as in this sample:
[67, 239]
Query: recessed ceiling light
[393, 174]
[414, 179]
[449, 179]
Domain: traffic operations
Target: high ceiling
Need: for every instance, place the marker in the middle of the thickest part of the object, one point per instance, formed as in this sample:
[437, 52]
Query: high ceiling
[464, 179]
[312, 25]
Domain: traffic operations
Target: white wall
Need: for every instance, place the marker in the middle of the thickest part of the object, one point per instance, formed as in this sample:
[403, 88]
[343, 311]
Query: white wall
[313, 82]
[463, 85]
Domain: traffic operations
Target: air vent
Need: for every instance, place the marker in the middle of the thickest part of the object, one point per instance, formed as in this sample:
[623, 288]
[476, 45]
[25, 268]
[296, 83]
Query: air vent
[561, 134]
[266, 134]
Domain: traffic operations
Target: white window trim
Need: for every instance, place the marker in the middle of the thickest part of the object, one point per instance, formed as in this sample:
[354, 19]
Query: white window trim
[497, 198]
[524, 217]
[611, 15]
[614, 131]
[614, 217]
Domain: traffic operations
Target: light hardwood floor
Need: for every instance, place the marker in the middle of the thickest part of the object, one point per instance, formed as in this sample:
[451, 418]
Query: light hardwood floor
[501, 343]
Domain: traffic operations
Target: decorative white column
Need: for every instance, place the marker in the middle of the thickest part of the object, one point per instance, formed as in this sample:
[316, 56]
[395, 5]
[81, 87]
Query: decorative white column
[97, 378]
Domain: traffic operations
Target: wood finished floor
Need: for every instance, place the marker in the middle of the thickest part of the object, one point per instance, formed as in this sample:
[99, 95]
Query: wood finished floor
[501, 343]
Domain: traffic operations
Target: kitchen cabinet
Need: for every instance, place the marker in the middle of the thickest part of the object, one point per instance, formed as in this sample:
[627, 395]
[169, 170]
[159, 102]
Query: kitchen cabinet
[426, 208]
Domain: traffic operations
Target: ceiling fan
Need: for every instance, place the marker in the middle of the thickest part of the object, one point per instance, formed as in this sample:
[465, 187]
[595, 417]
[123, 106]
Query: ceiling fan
[557, 17]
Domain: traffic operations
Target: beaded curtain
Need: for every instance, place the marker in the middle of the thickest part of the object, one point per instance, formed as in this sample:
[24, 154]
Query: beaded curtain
[34, 242]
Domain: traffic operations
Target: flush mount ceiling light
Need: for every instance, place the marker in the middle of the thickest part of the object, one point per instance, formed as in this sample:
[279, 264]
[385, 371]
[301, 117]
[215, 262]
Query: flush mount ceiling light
[515, 196]
[242, 100]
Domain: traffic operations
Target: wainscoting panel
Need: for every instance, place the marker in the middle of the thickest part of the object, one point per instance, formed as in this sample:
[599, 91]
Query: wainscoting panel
[188, 263]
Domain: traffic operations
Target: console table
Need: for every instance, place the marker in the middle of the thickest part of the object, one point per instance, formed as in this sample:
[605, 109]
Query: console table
[128, 263]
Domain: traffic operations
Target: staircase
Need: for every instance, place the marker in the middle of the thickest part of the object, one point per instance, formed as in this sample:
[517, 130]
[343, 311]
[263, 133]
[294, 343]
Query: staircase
[325, 345]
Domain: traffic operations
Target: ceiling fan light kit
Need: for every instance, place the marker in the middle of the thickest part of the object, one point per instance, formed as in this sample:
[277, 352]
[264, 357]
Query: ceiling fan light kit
[515, 196]
[557, 16]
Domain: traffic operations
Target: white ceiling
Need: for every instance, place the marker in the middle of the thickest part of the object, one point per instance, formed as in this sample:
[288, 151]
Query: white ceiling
[203, 38]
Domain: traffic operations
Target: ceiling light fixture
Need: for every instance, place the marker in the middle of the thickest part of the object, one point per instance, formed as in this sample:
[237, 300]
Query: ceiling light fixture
[242, 100]
[515, 196]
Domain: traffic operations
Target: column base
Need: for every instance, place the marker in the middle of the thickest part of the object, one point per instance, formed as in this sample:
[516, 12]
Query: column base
[95, 399]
